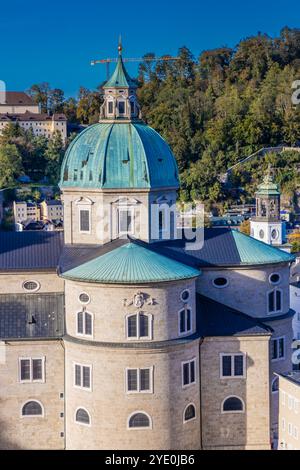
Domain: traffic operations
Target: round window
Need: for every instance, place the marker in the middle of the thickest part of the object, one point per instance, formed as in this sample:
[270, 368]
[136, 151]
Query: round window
[220, 282]
[261, 234]
[274, 278]
[31, 286]
[84, 298]
[185, 295]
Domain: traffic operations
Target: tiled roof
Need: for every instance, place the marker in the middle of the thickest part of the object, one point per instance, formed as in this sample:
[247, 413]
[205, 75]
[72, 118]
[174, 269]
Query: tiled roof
[119, 155]
[34, 117]
[130, 264]
[31, 316]
[216, 319]
[18, 98]
[223, 247]
[32, 250]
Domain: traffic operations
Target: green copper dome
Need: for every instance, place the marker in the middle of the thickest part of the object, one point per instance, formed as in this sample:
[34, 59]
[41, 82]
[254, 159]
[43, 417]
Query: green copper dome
[131, 264]
[119, 155]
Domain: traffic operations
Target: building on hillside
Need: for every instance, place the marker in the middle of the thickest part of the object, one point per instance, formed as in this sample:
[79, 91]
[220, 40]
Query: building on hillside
[16, 102]
[40, 124]
[52, 210]
[289, 410]
[25, 210]
[123, 312]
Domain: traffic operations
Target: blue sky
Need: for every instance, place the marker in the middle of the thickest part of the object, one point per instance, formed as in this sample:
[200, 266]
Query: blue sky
[55, 44]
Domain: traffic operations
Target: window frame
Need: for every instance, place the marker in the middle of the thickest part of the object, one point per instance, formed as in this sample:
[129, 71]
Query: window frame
[220, 287]
[31, 359]
[138, 369]
[84, 303]
[276, 289]
[85, 335]
[32, 416]
[233, 411]
[129, 428]
[80, 423]
[138, 337]
[183, 416]
[80, 387]
[86, 208]
[184, 309]
[189, 295]
[132, 212]
[194, 360]
[31, 291]
[232, 366]
[282, 358]
[274, 283]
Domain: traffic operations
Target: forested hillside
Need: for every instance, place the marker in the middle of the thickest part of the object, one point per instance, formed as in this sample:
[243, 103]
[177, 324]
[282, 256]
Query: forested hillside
[213, 110]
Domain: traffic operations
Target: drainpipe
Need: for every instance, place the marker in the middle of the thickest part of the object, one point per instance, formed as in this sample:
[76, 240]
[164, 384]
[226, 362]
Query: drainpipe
[200, 394]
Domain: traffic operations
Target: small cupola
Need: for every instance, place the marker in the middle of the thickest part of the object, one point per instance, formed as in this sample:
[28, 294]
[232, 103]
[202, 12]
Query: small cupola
[120, 100]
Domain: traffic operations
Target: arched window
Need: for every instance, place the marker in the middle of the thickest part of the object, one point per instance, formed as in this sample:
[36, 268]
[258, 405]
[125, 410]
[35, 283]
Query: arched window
[233, 404]
[275, 385]
[84, 323]
[139, 326]
[185, 321]
[82, 416]
[139, 420]
[275, 301]
[32, 408]
[189, 413]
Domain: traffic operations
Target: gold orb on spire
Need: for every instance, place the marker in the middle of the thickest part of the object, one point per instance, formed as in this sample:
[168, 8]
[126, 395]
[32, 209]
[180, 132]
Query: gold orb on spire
[120, 47]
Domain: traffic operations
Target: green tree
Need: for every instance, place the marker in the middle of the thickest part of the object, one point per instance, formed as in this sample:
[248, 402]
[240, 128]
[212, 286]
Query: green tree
[10, 165]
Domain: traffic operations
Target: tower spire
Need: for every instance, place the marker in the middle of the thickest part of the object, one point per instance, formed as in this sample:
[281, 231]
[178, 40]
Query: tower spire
[120, 47]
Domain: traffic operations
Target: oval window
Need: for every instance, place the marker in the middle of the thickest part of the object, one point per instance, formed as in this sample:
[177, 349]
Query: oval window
[274, 278]
[84, 298]
[261, 234]
[31, 286]
[185, 295]
[220, 282]
[274, 234]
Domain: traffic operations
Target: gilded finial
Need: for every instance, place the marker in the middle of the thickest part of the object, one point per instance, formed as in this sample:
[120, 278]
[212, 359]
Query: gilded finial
[120, 47]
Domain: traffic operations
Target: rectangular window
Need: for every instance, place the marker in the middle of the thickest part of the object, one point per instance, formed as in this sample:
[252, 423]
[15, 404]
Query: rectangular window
[84, 216]
[290, 402]
[274, 301]
[290, 429]
[295, 432]
[126, 221]
[32, 369]
[185, 321]
[189, 372]
[121, 107]
[82, 376]
[232, 365]
[277, 348]
[283, 424]
[110, 107]
[139, 326]
[139, 380]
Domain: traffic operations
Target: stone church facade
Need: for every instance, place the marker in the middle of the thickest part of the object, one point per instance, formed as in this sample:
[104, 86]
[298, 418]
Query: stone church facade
[116, 336]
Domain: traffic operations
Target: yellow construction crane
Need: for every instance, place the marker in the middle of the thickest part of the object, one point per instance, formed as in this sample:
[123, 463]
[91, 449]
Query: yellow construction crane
[131, 59]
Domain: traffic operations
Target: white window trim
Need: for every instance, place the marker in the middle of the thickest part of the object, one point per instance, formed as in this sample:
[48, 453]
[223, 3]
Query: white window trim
[187, 332]
[88, 209]
[232, 366]
[80, 301]
[84, 335]
[79, 422]
[32, 416]
[233, 411]
[283, 424]
[132, 212]
[290, 429]
[80, 387]
[130, 392]
[296, 406]
[274, 391]
[139, 429]
[283, 357]
[290, 402]
[150, 326]
[109, 100]
[181, 294]
[29, 291]
[42, 380]
[274, 311]
[220, 287]
[194, 359]
[274, 283]
[192, 419]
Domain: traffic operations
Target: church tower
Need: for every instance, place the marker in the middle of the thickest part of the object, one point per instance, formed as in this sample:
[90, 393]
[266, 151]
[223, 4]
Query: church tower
[266, 225]
[119, 176]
